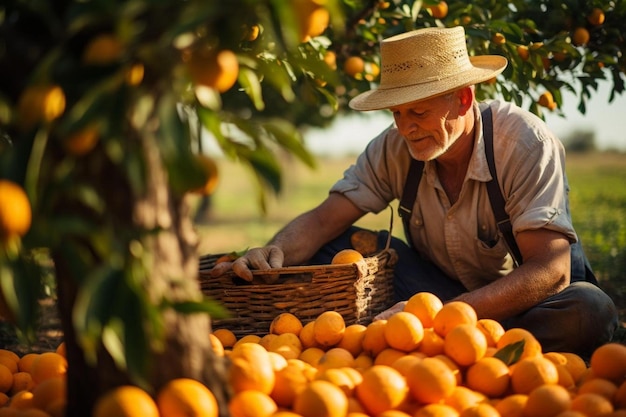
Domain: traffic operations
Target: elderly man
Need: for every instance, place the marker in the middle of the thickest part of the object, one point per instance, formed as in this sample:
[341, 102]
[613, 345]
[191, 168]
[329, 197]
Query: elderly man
[448, 159]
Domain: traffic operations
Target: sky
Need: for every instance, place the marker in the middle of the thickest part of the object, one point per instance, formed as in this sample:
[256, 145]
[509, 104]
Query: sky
[350, 134]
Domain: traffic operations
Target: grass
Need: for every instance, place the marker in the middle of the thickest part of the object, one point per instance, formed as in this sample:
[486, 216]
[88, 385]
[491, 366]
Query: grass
[597, 197]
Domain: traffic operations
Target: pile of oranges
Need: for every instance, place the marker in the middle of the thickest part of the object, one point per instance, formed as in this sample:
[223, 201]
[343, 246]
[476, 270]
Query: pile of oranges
[429, 360]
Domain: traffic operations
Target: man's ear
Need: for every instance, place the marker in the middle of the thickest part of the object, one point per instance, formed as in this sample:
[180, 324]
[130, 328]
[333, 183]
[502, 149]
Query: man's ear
[466, 99]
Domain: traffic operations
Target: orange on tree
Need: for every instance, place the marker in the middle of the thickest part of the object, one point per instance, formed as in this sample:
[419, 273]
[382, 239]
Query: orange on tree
[580, 36]
[498, 38]
[522, 51]
[82, 141]
[347, 256]
[330, 58]
[103, 49]
[40, 103]
[312, 18]
[182, 397]
[354, 66]
[440, 10]
[547, 100]
[210, 169]
[214, 69]
[596, 17]
[125, 401]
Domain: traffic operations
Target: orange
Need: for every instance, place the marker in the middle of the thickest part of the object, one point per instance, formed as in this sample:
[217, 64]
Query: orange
[61, 349]
[354, 66]
[463, 398]
[347, 256]
[312, 19]
[15, 211]
[249, 338]
[436, 410]
[278, 361]
[480, 410]
[329, 328]
[547, 400]
[404, 363]
[125, 401]
[48, 365]
[214, 69]
[451, 315]
[330, 58]
[374, 339]
[430, 380]
[33, 412]
[498, 38]
[251, 32]
[383, 388]
[6, 379]
[620, 396]
[465, 344]
[363, 361]
[185, 396]
[135, 73]
[566, 379]
[49, 391]
[591, 405]
[522, 51]
[81, 142]
[311, 355]
[547, 100]
[267, 339]
[287, 345]
[340, 378]
[5, 353]
[209, 167]
[335, 358]
[352, 339]
[217, 346]
[404, 331]
[512, 405]
[425, 306]
[432, 343]
[530, 373]
[596, 17]
[440, 10]
[599, 386]
[388, 356]
[9, 362]
[393, 413]
[321, 399]
[492, 330]
[26, 362]
[286, 323]
[22, 381]
[104, 49]
[251, 369]
[532, 347]
[489, 376]
[575, 365]
[4, 399]
[307, 335]
[456, 371]
[609, 361]
[40, 103]
[580, 37]
[226, 337]
[251, 403]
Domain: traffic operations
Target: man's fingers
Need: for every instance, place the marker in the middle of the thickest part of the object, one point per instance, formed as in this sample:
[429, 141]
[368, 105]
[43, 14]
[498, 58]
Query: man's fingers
[220, 269]
[242, 270]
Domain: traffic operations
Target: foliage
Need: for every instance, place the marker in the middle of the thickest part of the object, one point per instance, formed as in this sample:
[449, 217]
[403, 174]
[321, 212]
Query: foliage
[139, 88]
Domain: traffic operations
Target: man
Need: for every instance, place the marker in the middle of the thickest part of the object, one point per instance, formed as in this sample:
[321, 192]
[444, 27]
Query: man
[457, 253]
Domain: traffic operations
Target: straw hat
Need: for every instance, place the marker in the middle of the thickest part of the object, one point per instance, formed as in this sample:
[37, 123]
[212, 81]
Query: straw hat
[426, 63]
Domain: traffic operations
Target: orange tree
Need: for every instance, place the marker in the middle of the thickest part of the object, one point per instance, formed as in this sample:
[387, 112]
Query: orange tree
[102, 107]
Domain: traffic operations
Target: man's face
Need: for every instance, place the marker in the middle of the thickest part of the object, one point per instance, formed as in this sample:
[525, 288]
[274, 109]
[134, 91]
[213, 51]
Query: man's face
[429, 127]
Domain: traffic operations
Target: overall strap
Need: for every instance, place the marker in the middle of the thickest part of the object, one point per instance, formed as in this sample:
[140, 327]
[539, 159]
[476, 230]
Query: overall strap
[495, 195]
[496, 199]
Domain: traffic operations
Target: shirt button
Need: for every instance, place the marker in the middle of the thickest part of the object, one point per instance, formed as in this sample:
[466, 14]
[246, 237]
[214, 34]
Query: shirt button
[450, 216]
[418, 222]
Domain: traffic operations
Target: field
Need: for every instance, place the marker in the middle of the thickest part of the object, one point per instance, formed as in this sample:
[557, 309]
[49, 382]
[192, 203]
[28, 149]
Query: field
[598, 202]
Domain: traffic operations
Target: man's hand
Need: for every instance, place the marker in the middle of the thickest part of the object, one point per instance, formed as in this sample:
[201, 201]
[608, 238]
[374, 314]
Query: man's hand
[397, 307]
[264, 258]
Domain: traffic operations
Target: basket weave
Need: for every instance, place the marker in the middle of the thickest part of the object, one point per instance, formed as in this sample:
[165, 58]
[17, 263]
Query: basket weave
[357, 291]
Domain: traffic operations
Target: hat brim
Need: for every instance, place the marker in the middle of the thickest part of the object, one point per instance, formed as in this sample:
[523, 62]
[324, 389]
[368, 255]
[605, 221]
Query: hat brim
[484, 68]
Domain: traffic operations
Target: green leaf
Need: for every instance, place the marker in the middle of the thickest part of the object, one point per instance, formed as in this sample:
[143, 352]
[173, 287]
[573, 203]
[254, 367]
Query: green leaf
[252, 86]
[289, 138]
[511, 353]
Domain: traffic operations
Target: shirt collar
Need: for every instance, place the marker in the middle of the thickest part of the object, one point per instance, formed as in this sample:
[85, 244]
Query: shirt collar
[478, 168]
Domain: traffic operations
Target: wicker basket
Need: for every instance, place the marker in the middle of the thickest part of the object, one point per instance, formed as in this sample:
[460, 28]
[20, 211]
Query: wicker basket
[357, 291]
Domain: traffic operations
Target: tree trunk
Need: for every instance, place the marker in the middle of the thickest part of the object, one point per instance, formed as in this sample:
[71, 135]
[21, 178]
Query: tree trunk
[172, 274]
